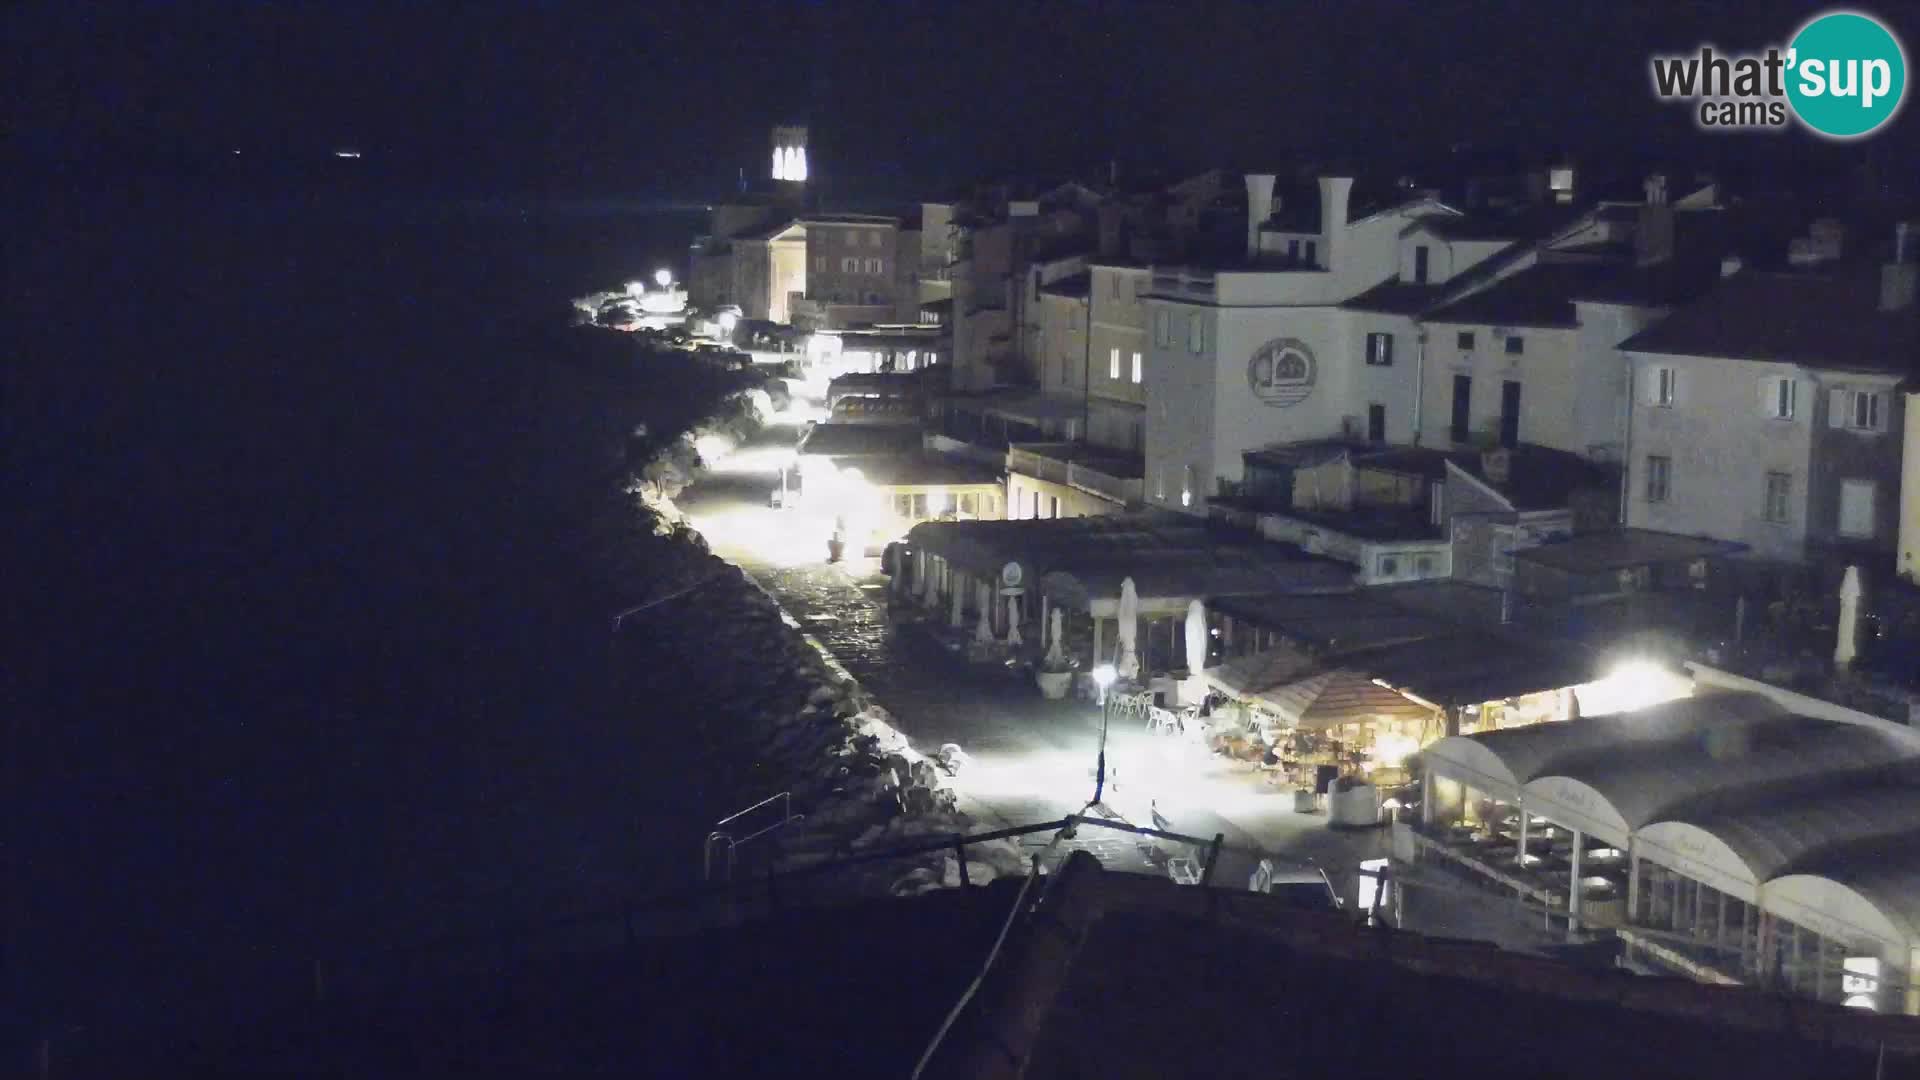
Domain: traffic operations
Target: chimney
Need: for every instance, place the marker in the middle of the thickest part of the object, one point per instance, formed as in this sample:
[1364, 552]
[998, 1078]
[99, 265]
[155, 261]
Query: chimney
[1731, 265]
[1653, 233]
[1827, 236]
[1899, 277]
[1334, 191]
[1259, 208]
[1497, 465]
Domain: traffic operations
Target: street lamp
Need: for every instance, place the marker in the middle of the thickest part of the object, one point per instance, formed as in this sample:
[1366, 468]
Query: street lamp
[663, 277]
[1103, 676]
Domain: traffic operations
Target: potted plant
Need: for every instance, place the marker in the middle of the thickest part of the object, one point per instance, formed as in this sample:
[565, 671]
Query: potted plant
[1055, 677]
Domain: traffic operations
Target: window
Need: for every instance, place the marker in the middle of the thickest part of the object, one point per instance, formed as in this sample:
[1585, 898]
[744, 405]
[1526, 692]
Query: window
[1664, 390]
[1163, 328]
[874, 238]
[1462, 403]
[1313, 252]
[1858, 410]
[1036, 504]
[852, 238]
[1196, 333]
[1500, 544]
[1389, 566]
[1376, 423]
[849, 266]
[1116, 286]
[1056, 504]
[820, 263]
[1659, 477]
[1464, 341]
[968, 506]
[1856, 508]
[875, 266]
[920, 506]
[1420, 264]
[1380, 350]
[1136, 367]
[1186, 486]
[1779, 488]
[1778, 397]
[1423, 565]
[1516, 345]
[1160, 483]
[1113, 364]
[1293, 251]
[1509, 414]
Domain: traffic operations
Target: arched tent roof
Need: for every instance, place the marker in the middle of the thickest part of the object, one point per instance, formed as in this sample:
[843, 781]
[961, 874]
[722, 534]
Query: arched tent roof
[1774, 828]
[1503, 761]
[1642, 782]
[1869, 888]
[1703, 856]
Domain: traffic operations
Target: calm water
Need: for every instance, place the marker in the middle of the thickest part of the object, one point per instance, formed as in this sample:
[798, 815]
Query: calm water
[309, 621]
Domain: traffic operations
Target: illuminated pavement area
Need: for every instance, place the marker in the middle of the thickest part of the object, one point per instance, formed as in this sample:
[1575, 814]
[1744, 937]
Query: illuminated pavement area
[1032, 759]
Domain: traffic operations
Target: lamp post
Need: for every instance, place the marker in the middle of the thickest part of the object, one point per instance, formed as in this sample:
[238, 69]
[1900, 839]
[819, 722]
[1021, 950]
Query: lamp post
[663, 277]
[1103, 676]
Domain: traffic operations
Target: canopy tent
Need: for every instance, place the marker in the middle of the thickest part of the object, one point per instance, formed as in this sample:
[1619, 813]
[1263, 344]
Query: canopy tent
[1340, 696]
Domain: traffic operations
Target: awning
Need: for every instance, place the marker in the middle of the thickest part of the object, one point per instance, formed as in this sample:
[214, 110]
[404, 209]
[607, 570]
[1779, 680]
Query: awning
[1341, 696]
[1248, 676]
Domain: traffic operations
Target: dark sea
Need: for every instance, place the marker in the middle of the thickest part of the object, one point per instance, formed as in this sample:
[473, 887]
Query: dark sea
[308, 588]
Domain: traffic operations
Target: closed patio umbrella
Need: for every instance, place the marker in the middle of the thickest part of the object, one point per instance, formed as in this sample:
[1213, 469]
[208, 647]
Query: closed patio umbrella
[983, 633]
[1056, 649]
[1196, 637]
[1129, 665]
[958, 617]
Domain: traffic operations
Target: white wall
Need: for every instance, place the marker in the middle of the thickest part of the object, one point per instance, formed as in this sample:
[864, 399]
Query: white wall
[1907, 561]
[1722, 447]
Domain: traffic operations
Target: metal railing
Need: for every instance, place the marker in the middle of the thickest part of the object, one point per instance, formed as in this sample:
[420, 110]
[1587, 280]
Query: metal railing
[502, 950]
[722, 839]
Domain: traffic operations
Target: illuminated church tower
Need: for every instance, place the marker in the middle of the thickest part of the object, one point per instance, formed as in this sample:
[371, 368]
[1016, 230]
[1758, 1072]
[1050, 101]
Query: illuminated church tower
[790, 154]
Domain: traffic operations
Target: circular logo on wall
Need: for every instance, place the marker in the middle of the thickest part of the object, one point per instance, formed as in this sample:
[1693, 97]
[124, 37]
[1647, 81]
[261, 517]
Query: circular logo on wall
[1281, 372]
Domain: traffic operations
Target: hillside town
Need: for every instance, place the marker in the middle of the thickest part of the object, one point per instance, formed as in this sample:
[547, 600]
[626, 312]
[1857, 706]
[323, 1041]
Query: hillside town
[1542, 533]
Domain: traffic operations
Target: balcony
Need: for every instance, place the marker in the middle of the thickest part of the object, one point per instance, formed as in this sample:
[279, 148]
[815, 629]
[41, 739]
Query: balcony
[1109, 474]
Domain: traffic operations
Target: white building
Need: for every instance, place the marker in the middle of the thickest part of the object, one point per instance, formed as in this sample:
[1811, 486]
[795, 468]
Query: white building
[1259, 351]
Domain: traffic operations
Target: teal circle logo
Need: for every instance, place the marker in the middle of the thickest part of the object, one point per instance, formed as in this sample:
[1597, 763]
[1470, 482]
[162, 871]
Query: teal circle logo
[1846, 76]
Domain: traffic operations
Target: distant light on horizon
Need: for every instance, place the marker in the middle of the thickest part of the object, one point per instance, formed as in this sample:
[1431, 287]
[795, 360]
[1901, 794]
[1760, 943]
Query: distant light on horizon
[339, 153]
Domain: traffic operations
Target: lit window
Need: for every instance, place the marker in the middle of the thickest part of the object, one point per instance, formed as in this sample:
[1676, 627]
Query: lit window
[1113, 364]
[1186, 486]
[1380, 350]
[1136, 367]
[1779, 489]
[1778, 397]
[1659, 477]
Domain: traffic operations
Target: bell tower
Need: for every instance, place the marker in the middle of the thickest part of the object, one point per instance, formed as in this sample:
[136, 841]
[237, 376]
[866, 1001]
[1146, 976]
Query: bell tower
[790, 154]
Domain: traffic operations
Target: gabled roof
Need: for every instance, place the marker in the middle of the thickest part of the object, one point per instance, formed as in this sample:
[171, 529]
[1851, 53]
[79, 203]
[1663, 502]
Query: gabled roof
[1543, 295]
[1821, 320]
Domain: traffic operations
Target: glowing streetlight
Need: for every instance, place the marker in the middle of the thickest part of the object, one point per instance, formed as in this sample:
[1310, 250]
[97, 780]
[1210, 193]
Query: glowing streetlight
[663, 277]
[1103, 675]
[728, 320]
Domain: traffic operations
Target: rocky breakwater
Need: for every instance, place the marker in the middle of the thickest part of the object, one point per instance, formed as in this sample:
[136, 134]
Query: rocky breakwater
[857, 784]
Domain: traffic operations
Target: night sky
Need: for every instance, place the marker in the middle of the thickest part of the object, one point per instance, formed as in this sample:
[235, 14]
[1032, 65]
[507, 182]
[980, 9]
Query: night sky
[663, 98]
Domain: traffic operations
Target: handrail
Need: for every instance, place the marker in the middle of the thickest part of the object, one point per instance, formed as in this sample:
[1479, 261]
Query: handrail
[721, 835]
[622, 914]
